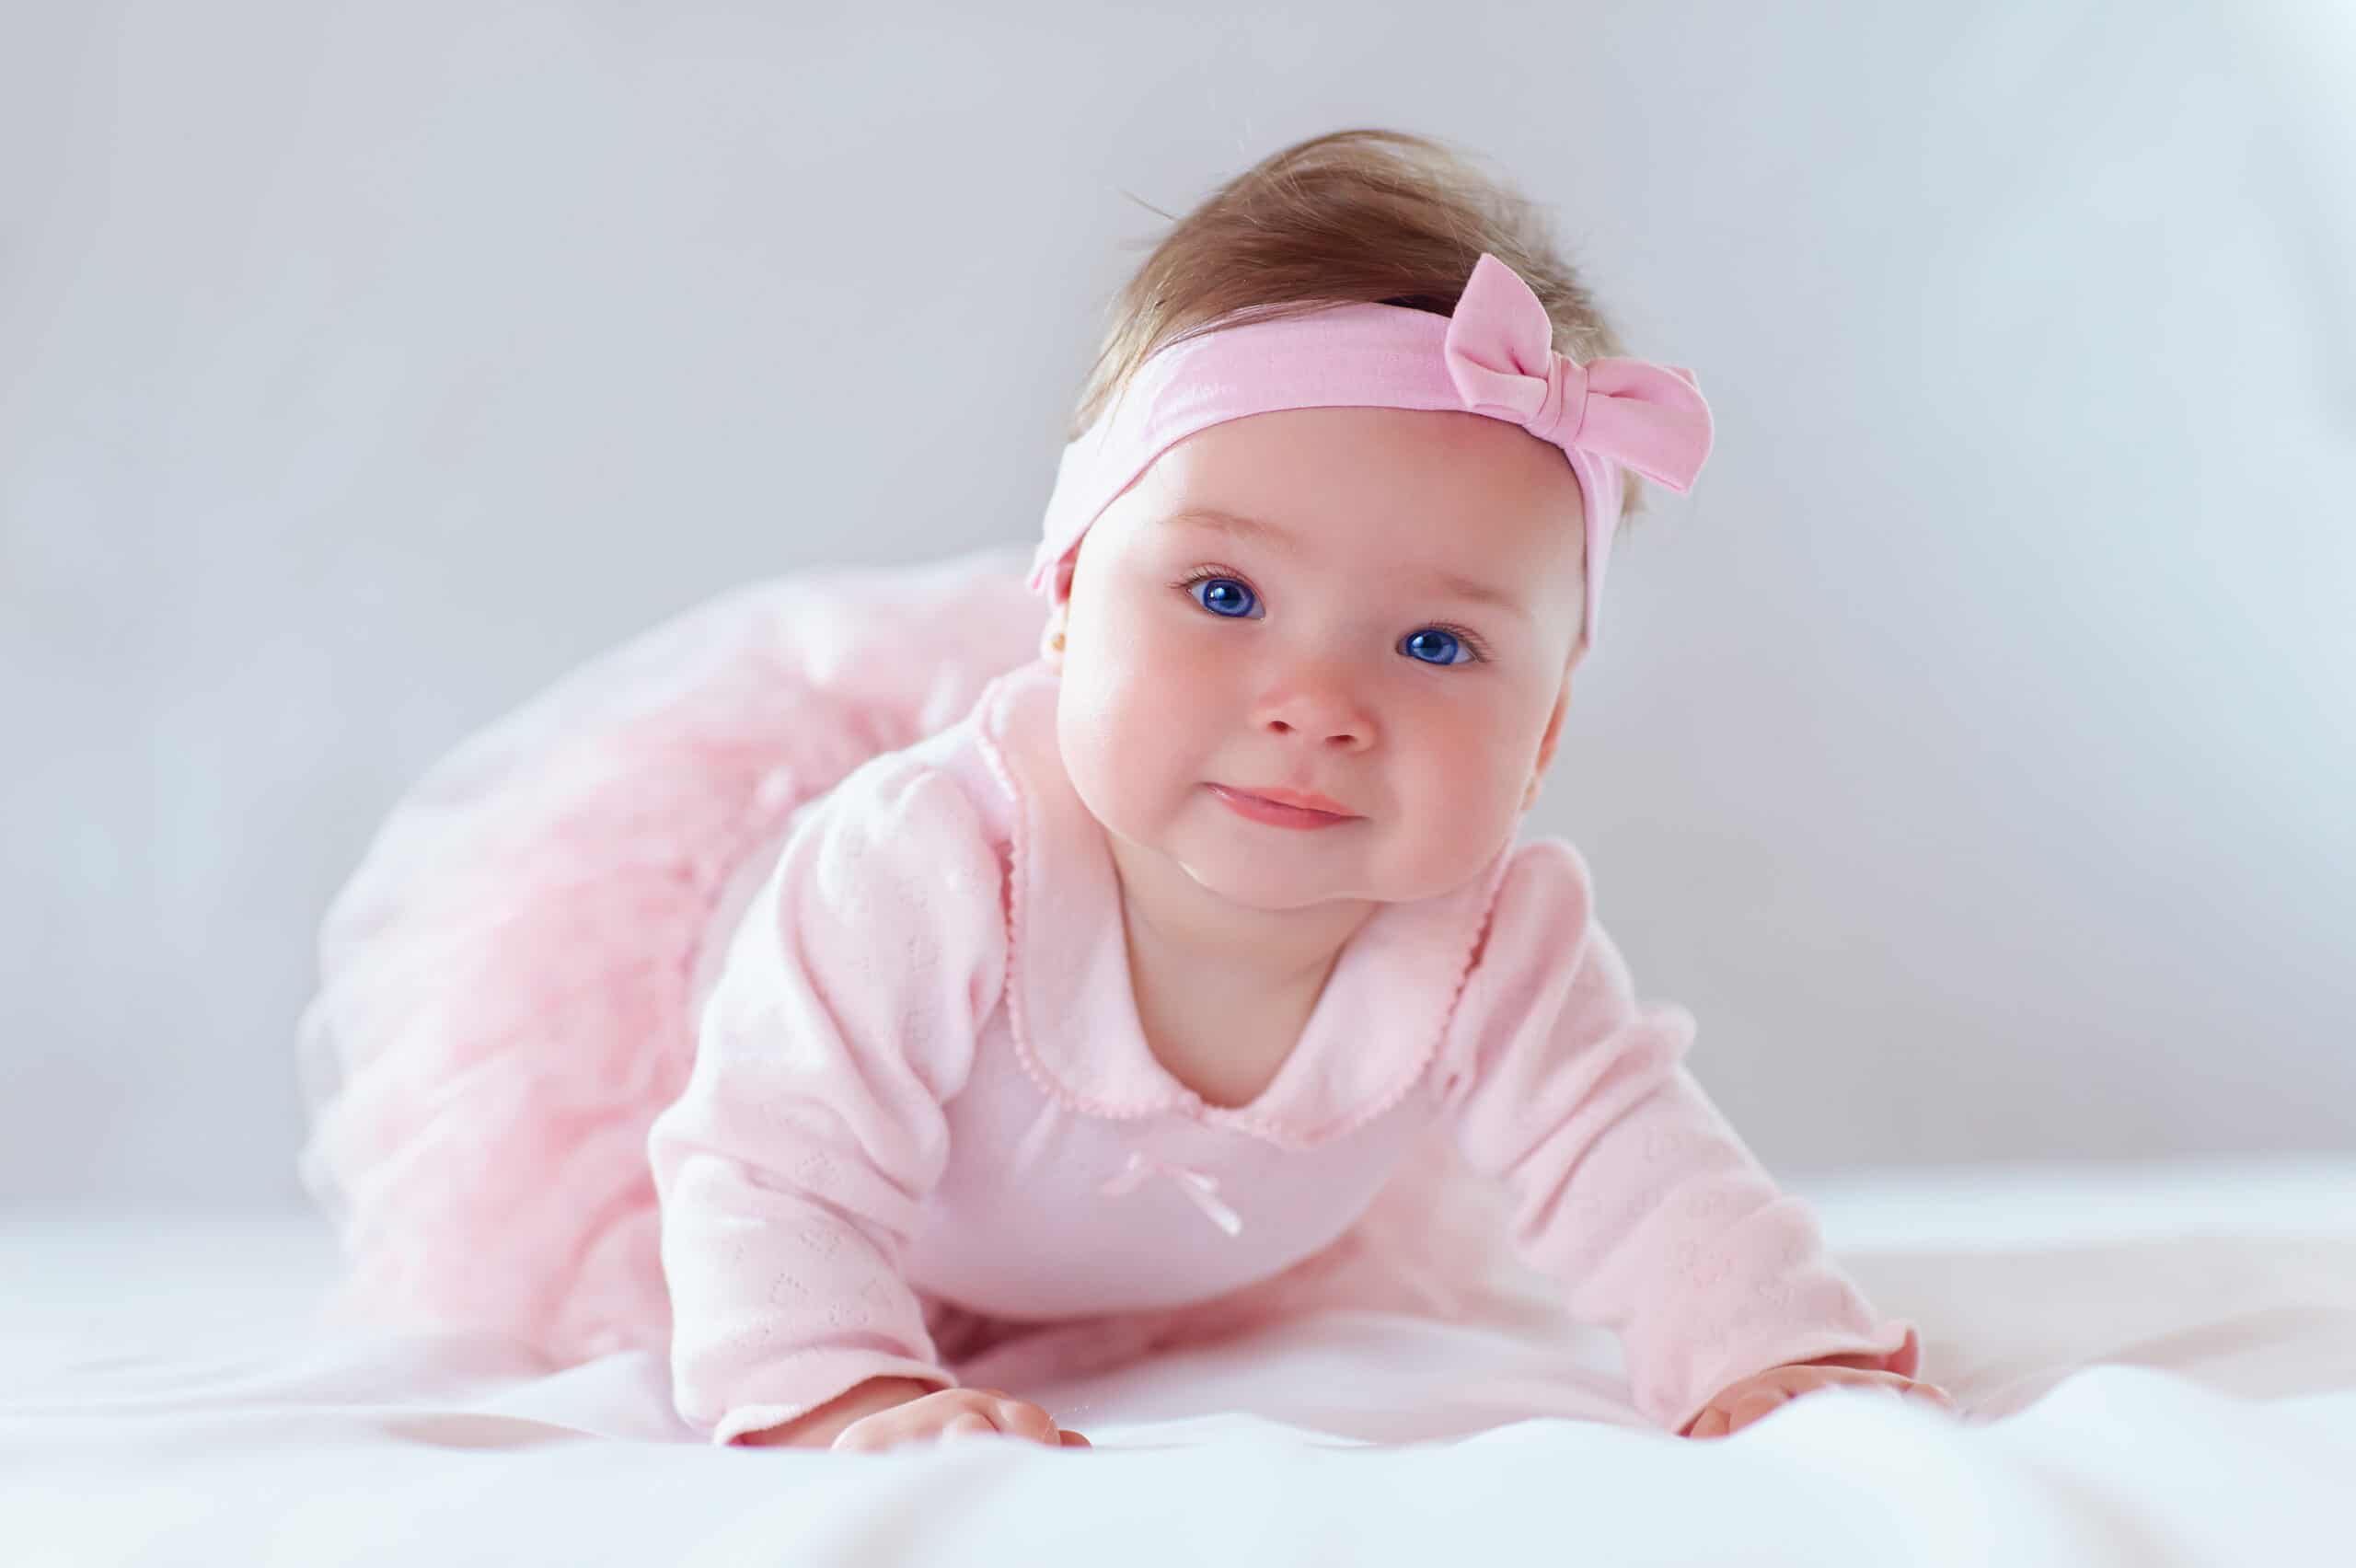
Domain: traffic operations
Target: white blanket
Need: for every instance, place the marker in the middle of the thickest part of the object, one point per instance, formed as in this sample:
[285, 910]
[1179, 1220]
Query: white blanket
[2158, 1367]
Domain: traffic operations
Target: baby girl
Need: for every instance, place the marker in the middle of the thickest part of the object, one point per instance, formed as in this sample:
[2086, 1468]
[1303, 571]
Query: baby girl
[1065, 1003]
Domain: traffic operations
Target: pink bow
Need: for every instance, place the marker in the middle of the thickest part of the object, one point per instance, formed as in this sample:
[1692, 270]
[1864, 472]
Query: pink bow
[1643, 416]
[1194, 1184]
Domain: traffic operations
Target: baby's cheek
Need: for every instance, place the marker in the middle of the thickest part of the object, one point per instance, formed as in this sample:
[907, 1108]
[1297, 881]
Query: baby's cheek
[1465, 810]
[1132, 759]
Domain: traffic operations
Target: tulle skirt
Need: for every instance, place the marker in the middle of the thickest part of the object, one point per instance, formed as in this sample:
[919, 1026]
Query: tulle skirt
[507, 983]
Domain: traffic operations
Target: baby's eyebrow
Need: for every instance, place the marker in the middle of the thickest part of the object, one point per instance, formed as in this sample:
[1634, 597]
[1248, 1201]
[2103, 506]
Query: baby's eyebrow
[1236, 525]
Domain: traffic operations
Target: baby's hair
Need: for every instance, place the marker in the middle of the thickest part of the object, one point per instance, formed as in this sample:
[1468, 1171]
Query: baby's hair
[1377, 216]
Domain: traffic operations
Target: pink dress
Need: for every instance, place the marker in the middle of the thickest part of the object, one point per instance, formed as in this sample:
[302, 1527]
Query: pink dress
[882, 1106]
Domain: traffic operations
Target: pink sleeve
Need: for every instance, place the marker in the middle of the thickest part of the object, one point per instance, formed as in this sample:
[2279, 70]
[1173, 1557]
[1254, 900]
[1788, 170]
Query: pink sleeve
[1628, 1187]
[791, 1170]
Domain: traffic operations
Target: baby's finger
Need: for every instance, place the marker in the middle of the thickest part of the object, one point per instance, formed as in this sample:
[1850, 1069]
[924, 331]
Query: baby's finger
[1801, 1379]
[869, 1435]
[969, 1424]
[1023, 1419]
[1071, 1439]
[1893, 1384]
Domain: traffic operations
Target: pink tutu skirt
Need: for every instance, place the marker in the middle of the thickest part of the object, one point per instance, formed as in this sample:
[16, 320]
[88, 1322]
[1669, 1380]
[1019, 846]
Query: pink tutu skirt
[509, 983]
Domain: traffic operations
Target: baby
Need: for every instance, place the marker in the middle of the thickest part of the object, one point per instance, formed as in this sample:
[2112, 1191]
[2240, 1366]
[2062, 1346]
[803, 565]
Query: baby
[1117, 994]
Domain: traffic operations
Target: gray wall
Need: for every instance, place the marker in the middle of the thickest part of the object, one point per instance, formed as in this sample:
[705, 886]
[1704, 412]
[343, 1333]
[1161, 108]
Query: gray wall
[1973, 752]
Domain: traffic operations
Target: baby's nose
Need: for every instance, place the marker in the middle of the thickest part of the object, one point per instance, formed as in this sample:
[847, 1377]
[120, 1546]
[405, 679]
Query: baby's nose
[1320, 708]
[1347, 736]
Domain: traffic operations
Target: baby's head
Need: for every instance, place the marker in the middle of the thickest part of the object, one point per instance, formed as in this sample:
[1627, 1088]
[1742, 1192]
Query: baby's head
[1379, 605]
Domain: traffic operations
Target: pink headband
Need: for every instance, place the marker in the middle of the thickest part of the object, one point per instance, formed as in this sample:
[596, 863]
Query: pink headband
[1494, 356]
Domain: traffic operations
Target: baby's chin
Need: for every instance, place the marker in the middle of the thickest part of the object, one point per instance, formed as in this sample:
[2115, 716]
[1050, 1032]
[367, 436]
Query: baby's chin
[1277, 878]
[1260, 887]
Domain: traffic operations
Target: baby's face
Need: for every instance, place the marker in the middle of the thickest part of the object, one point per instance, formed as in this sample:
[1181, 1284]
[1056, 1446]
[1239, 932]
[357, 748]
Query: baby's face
[1347, 651]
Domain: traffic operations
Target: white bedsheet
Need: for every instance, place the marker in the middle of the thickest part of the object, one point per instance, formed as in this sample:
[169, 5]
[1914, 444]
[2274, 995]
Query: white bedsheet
[2159, 1366]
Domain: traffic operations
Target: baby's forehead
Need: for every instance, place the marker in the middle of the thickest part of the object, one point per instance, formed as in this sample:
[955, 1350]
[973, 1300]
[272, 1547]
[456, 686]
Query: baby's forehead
[1457, 491]
[1320, 466]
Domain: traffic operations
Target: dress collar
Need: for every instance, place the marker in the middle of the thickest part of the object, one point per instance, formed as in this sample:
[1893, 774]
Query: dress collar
[1374, 1029]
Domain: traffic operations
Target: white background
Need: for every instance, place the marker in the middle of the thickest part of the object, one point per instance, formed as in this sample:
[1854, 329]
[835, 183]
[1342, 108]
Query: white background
[1973, 752]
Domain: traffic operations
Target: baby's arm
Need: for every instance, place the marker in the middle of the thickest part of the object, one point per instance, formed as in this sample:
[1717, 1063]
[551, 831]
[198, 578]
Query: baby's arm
[791, 1170]
[1630, 1188]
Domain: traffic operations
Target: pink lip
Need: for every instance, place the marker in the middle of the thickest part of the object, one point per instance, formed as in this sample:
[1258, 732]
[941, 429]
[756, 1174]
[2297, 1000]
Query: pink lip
[1285, 808]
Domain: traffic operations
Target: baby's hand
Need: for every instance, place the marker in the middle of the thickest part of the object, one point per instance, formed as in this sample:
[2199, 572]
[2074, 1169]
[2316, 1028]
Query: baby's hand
[1737, 1406]
[956, 1413]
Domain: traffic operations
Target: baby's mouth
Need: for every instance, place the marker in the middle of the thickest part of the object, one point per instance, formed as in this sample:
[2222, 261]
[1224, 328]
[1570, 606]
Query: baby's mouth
[1279, 813]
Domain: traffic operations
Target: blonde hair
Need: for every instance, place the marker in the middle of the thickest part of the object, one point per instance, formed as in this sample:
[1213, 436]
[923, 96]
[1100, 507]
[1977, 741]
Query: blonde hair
[1380, 216]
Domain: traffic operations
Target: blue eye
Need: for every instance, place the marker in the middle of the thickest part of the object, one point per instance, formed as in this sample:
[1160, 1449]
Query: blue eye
[1231, 599]
[1223, 596]
[1432, 646]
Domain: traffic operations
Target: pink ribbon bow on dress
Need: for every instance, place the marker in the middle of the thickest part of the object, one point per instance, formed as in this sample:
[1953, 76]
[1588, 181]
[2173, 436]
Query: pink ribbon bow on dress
[1194, 1184]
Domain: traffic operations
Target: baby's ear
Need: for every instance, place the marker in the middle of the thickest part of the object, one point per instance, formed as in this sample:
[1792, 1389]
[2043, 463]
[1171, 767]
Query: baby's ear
[1553, 728]
[1051, 636]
